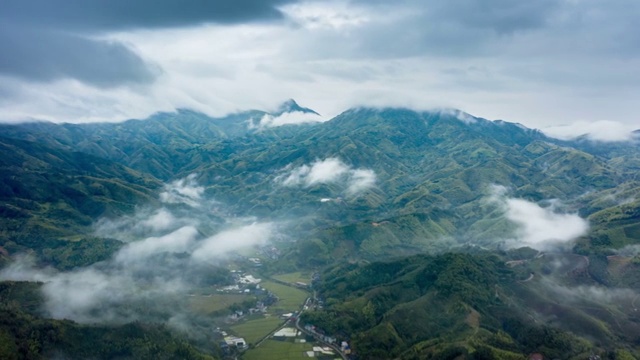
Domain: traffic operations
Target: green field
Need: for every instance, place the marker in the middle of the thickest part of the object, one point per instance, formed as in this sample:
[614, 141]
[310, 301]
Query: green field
[209, 304]
[278, 350]
[294, 277]
[291, 299]
[254, 330]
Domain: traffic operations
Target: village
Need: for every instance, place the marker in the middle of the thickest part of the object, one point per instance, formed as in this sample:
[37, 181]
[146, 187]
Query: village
[258, 316]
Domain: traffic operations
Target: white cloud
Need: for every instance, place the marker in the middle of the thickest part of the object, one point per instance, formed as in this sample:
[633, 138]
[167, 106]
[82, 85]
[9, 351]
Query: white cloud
[460, 115]
[185, 191]
[360, 180]
[603, 130]
[538, 227]
[320, 172]
[222, 243]
[287, 118]
[333, 15]
[160, 220]
[326, 171]
[330, 170]
[180, 240]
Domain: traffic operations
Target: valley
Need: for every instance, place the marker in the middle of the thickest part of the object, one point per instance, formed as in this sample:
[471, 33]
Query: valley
[386, 232]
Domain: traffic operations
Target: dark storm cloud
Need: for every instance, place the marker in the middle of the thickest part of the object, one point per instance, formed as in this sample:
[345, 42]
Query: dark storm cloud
[460, 28]
[45, 40]
[49, 55]
[119, 14]
[468, 27]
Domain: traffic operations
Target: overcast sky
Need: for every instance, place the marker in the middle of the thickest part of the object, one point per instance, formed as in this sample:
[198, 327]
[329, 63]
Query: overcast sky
[540, 62]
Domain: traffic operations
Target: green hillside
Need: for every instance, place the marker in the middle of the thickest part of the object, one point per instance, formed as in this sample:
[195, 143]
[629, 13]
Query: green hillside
[24, 335]
[50, 198]
[355, 199]
[460, 305]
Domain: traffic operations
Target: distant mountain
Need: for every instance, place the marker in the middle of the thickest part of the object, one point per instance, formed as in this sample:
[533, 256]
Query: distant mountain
[159, 145]
[425, 163]
[361, 194]
[291, 106]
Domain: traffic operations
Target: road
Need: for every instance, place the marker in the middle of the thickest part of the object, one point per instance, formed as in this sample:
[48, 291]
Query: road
[300, 328]
[334, 347]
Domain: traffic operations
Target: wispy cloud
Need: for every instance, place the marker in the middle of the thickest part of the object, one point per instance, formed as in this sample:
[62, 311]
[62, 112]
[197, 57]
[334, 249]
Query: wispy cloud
[213, 247]
[604, 130]
[360, 180]
[166, 256]
[185, 191]
[327, 171]
[287, 118]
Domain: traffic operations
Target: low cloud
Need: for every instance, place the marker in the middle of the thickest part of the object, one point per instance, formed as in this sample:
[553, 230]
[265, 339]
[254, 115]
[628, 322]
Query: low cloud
[287, 118]
[177, 241]
[360, 180]
[539, 227]
[211, 248]
[604, 130]
[185, 191]
[328, 171]
[168, 254]
[591, 293]
[458, 114]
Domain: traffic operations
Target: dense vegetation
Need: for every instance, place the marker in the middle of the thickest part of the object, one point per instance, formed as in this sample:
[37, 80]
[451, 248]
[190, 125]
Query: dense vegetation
[434, 172]
[25, 335]
[461, 304]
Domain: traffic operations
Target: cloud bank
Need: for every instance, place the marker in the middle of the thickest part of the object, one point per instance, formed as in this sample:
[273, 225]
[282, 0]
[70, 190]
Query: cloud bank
[329, 171]
[604, 130]
[112, 60]
[166, 255]
[67, 34]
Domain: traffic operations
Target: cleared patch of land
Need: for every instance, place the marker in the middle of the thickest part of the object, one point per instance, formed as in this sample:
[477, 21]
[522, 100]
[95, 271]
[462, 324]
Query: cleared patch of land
[215, 302]
[294, 277]
[254, 330]
[278, 350]
[291, 298]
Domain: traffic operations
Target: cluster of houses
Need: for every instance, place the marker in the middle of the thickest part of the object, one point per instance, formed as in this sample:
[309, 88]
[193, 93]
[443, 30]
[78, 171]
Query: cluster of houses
[244, 283]
[230, 343]
[320, 350]
[320, 334]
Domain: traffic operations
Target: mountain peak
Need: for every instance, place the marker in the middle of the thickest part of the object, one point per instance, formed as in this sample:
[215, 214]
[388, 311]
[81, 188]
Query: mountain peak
[290, 106]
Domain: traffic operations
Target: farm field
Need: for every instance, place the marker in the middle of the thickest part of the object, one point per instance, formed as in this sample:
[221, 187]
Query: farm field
[291, 299]
[278, 350]
[294, 277]
[209, 304]
[254, 330]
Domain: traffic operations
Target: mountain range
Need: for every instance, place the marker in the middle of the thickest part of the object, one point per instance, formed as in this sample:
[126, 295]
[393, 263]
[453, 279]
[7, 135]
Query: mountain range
[364, 191]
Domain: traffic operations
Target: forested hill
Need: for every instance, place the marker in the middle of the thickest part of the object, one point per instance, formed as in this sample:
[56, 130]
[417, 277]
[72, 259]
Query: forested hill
[481, 305]
[429, 173]
[434, 234]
